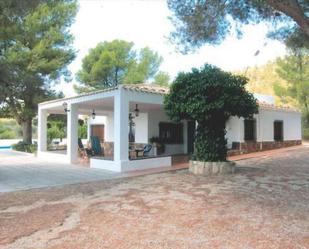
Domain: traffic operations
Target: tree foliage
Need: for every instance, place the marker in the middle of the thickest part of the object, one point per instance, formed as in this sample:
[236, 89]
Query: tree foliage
[116, 62]
[162, 79]
[35, 50]
[210, 21]
[144, 67]
[294, 68]
[9, 129]
[209, 96]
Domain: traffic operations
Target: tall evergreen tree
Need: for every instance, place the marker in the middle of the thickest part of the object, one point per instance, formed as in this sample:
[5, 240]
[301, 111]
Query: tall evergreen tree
[294, 68]
[162, 79]
[116, 62]
[35, 50]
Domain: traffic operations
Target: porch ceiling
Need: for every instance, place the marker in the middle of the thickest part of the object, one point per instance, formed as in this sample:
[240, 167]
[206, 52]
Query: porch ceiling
[104, 106]
[101, 106]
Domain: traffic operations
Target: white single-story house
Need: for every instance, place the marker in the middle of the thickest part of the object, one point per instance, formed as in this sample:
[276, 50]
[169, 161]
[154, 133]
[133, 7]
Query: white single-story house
[126, 117]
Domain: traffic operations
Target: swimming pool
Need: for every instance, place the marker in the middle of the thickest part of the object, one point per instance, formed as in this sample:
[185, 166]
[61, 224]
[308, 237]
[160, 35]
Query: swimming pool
[5, 147]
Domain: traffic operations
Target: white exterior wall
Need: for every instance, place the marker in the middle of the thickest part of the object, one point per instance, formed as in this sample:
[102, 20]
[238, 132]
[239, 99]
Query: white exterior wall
[109, 128]
[99, 120]
[141, 128]
[234, 130]
[155, 117]
[133, 165]
[291, 124]
[108, 122]
[265, 126]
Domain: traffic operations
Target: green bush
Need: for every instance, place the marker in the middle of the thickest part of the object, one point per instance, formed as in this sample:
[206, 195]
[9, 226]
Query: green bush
[82, 131]
[9, 129]
[54, 132]
[7, 134]
[21, 146]
[306, 133]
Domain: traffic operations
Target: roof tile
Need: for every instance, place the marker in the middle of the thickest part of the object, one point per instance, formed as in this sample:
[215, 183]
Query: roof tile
[148, 88]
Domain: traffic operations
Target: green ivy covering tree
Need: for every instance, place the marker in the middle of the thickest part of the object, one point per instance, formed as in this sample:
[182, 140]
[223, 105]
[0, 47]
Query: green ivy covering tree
[209, 96]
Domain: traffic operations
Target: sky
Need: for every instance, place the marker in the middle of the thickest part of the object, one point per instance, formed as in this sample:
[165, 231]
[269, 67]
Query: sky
[146, 23]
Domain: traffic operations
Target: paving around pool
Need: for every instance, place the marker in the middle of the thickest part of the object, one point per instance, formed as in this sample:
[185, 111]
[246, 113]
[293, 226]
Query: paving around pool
[21, 171]
[265, 204]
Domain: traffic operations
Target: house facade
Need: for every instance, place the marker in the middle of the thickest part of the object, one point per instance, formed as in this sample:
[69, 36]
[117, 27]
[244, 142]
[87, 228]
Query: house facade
[127, 117]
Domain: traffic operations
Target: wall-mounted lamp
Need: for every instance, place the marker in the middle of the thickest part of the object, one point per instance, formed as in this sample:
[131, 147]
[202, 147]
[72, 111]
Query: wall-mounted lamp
[136, 111]
[65, 106]
[93, 114]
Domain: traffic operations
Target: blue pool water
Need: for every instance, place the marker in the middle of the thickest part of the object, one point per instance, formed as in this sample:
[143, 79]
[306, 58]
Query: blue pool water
[5, 147]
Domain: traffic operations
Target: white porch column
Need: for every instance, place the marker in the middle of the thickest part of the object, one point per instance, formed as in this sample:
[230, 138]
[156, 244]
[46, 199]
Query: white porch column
[121, 130]
[72, 133]
[88, 129]
[42, 130]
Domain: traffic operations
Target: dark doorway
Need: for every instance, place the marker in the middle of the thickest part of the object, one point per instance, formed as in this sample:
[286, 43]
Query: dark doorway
[250, 129]
[191, 135]
[98, 130]
[278, 130]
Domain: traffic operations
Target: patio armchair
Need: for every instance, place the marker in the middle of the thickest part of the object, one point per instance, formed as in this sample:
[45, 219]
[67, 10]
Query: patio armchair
[85, 152]
[96, 146]
[147, 148]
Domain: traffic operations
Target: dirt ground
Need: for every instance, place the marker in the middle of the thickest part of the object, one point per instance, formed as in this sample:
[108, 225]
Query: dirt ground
[264, 205]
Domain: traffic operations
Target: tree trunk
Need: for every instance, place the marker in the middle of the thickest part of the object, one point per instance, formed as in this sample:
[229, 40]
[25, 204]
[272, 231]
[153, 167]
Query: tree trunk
[292, 9]
[27, 130]
[210, 142]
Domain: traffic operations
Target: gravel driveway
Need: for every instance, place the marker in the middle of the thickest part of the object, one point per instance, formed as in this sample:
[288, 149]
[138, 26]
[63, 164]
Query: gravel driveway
[264, 205]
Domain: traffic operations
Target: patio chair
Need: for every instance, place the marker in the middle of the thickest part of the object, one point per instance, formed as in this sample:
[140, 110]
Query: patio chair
[147, 148]
[96, 146]
[85, 152]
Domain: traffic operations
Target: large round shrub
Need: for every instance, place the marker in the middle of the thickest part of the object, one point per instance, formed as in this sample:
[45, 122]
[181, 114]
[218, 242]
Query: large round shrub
[209, 96]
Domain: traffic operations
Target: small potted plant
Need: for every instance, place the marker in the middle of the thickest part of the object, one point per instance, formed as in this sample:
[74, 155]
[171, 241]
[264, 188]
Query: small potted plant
[158, 145]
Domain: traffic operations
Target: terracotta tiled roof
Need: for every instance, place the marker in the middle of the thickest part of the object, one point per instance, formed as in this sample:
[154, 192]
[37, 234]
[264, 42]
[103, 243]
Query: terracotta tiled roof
[148, 88]
[165, 90]
[265, 105]
[81, 95]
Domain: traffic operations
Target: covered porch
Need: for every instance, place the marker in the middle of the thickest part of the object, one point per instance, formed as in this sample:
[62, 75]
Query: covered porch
[125, 132]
